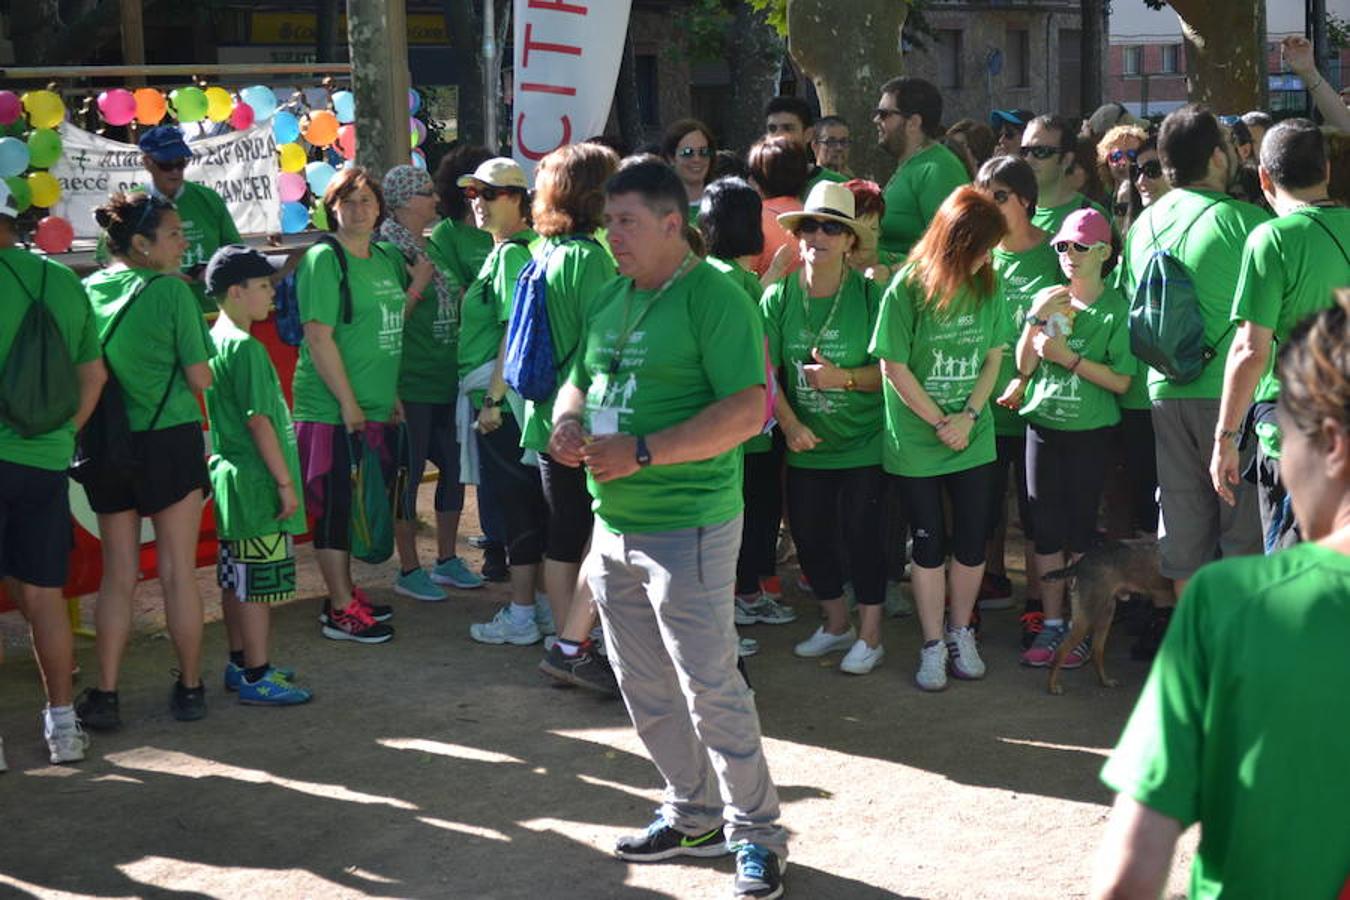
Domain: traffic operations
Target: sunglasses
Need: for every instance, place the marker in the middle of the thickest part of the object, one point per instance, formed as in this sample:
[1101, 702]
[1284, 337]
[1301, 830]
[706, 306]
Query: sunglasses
[1117, 156]
[690, 152]
[1039, 151]
[832, 142]
[811, 226]
[1062, 247]
[487, 192]
[1150, 169]
[176, 165]
[883, 114]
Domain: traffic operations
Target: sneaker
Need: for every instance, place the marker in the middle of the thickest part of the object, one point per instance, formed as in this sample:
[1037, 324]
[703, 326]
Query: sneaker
[1042, 649]
[898, 603]
[502, 630]
[822, 642]
[478, 541]
[1146, 647]
[746, 604]
[273, 689]
[662, 841]
[543, 617]
[587, 669]
[187, 704]
[862, 659]
[418, 585]
[1078, 656]
[803, 583]
[771, 586]
[963, 655]
[234, 675]
[378, 612]
[598, 639]
[355, 623]
[766, 611]
[746, 647]
[995, 592]
[65, 742]
[932, 674]
[759, 873]
[98, 709]
[454, 573]
[1033, 623]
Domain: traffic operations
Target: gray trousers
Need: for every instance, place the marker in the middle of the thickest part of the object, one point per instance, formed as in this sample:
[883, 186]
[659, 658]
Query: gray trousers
[666, 601]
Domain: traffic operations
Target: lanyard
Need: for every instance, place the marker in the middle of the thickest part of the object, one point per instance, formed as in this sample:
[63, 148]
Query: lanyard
[829, 317]
[628, 329]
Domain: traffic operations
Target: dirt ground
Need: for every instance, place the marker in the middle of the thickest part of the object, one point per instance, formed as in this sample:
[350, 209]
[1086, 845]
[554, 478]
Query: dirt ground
[436, 767]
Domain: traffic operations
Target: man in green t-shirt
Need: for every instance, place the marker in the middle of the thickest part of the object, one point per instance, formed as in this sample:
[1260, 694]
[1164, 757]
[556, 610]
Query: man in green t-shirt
[1291, 268]
[793, 118]
[1048, 147]
[909, 122]
[830, 140]
[667, 383]
[35, 524]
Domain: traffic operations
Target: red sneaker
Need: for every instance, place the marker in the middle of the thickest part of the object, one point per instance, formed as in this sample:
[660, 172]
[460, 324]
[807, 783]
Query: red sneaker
[355, 624]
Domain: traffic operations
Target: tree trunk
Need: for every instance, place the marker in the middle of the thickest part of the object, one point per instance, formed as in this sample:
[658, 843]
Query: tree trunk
[377, 33]
[1094, 26]
[848, 59]
[626, 108]
[1225, 53]
[755, 56]
[464, 23]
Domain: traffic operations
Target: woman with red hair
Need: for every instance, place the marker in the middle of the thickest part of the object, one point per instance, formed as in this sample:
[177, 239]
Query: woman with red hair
[940, 337]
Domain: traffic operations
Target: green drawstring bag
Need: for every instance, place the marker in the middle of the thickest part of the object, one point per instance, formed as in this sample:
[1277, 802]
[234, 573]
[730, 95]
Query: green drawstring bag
[372, 523]
[39, 387]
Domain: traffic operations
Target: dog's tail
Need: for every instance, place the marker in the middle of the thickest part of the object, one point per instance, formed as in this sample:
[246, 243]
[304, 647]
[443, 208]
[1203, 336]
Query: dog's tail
[1063, 574]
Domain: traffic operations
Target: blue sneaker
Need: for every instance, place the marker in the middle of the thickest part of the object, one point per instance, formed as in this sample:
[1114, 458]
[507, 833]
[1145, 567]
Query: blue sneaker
[759, 873]
[454, 573]
[273, 689]
[234, 676]
[543, 616]
[417, 585]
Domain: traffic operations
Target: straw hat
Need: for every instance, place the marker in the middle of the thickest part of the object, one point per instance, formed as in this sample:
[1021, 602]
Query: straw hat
[828, 201]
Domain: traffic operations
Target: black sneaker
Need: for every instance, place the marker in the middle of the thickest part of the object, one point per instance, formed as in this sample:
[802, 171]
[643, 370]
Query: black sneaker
[98, 709]
[587, 669]
[378, 612]
[662, 841]
[759, 873]
[1146, 647]
[187, 704]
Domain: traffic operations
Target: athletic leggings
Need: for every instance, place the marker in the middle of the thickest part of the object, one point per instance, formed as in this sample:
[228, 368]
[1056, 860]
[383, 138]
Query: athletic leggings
[762, 489]
[569, 509]
[1012, 451]
[1141, 467]
[969, 492]
[517, 489]
[830, 508]
[428, 434]
[1065, 474]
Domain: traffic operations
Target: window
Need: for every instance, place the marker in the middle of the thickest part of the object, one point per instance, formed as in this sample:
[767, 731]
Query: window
[1017, 58]
[948, 45]
[1169, 58]
[1134, 58]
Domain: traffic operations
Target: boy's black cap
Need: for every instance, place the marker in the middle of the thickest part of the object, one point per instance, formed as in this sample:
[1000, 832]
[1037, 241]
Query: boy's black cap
[234, 264]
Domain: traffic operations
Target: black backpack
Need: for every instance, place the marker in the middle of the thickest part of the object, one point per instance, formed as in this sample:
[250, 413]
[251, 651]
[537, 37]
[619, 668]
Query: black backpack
[39, 387]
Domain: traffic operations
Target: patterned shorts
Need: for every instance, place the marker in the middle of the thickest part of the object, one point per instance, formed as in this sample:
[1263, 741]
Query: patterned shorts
[258, 570]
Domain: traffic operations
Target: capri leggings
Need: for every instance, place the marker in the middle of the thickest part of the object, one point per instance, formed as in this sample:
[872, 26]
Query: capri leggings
[429, 435]
[1065, 474]
[969, 492]
[762, 490]
[569, 509]
[1012, 452]
[516, 488]
[828, 508]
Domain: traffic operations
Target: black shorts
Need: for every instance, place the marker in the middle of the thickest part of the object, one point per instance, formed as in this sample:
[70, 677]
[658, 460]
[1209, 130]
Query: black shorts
[171, 463]
[35, 530]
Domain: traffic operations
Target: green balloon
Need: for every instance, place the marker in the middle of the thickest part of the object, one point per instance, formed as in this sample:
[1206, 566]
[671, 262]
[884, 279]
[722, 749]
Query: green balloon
[44, 148]
[18, 189]
[189, 104]
[320, 217]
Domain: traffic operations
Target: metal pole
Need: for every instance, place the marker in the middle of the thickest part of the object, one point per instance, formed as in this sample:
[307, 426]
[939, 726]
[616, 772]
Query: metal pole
[491, 76]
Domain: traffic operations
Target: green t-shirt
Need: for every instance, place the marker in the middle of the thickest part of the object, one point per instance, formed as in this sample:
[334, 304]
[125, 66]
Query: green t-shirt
[462, 246]
[66, 300]
[819, 174]
[848, 423]
[1049, 218]
[697, 344]
[915, 192]
[749, 283]
[1209, 245]
[945, 352]
[1066, 401]
[1290, 267]
[370, 345]
[576, 273]
[1249, 743]
[244, 384]
[162, 334]
[487, 305]
[1022, 274]
[429, 368]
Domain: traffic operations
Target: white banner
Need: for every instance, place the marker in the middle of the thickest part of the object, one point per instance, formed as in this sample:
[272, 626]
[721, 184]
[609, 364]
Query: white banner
[241, 166]
[567, 63]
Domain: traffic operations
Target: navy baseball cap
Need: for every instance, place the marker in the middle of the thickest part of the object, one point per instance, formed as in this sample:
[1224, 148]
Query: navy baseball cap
[1018, 117]
[234, 264]
[164, 144]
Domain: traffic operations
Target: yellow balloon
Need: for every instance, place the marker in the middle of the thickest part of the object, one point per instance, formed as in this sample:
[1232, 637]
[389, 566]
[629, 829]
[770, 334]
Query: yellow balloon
[219, 104]
[46, 190]
[44, 108]
[292, 157]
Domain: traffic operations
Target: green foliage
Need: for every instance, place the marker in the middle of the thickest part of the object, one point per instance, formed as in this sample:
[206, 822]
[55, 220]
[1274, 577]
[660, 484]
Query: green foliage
[1338, 31]
[777, 13]
[917, 29]
[704, 24]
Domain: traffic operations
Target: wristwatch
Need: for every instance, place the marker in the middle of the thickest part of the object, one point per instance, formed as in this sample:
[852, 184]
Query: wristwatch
[1033, 319]
[644, 456]
[973, 413]
[489, 402]
[851, 384]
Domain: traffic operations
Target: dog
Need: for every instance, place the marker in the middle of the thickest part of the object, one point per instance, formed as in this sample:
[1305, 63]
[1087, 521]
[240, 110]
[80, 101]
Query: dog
[1097, 581]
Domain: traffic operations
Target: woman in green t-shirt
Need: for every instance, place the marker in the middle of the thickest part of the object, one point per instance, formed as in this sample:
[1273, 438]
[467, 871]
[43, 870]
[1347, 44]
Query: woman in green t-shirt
[1075, 349]
[457, 236]
[940, 337]
[818, 323]
[155, 344]
[868, 257]
[688, 145]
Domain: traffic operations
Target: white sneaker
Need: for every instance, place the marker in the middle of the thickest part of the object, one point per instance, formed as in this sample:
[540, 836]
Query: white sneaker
[503, 630]
[770, 612]
[746, 647]
[862, 659]
[543, 616]
[932, 674]
[822, 642]
[745, 607]
[65, 742]
[964, 654]
[549, 641]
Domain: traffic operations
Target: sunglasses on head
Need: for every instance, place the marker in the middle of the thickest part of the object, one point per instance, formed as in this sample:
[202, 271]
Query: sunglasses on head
[1150, 169]
[1063, 246]
[690, 152]
[1039, 151]
[829, 226]
[1117, 155]
[487, 192]
[173, 165]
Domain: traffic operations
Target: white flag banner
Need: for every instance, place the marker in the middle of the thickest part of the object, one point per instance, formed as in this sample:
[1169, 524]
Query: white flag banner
[241, 166]
[567, 63]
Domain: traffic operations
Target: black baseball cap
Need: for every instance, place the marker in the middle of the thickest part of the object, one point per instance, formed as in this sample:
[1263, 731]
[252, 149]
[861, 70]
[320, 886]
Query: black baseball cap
[234, 264]
[1018, 117]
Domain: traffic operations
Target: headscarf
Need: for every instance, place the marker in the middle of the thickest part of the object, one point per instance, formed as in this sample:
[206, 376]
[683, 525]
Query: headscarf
[401, 184]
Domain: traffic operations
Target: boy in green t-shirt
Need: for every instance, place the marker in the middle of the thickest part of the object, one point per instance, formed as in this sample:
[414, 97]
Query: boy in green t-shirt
[254, 472]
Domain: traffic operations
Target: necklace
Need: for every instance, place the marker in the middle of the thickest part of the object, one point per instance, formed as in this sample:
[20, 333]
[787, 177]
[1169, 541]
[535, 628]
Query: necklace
[627, 332]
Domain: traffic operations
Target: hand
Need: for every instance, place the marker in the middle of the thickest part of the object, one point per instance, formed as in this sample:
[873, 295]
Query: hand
[353, 417]
[489, 419]
[1297, 52]
[420, 273]
[288, 501]
[610, 457]
[1050, 300]
[825, 375]
[799, 438]
[1223, 469]
[1052, 349]
[955, 431]
[567, 442]
[782, 260]
[1013, 395]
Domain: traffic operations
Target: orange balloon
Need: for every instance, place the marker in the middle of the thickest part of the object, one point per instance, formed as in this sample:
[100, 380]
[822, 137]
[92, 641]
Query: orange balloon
[320, 128]
[150, 106]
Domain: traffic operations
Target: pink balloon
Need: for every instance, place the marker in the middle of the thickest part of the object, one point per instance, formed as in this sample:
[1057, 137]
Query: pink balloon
[346, 141]
[241, 116]
[291, 186]
[54, 235]
[10, 107]
[118, 107]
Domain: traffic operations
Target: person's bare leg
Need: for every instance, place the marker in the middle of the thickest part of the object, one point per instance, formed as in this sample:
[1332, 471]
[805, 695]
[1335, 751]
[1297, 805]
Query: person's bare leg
[405, 540]
[965, 587]
[255, 620]
[836, 615]
[1033, 571]
[582, 617]
[869, 624]
[53, 643]
[176, 546]
[1052, 592]
[523, 579]
[120, 540]
[447, 534]
[929, 586]
[230, 615]
[336, 568]
[560, 583]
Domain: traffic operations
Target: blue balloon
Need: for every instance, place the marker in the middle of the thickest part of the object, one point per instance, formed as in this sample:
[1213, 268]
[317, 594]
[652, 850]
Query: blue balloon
[318, 174]
[286, 127]
[262, 99]
[344, 106]
[13, 157]
[419, 159]
[414, 102]
[294, 217]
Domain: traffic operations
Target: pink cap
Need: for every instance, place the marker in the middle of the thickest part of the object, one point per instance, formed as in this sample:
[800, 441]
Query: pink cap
[1084, 226]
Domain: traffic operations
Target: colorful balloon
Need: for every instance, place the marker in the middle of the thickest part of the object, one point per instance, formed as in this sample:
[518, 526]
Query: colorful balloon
[292, 157]
[11, 108]
[321, 128]
[286, 127]
[294, 217]
[45, 189]
[320, 215]
[262, 99]
[241, 117]
[150, 106]
[344, 106]
[13, 157]
[317, 175]
[20, 192]
[418, 131]
[117, 106]
[54, 235]
[346, 141]
[218, 104]
[414, 101]
[189, 104]
[290, 186]
[44, 148]
[45, 109]
[419, 159]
